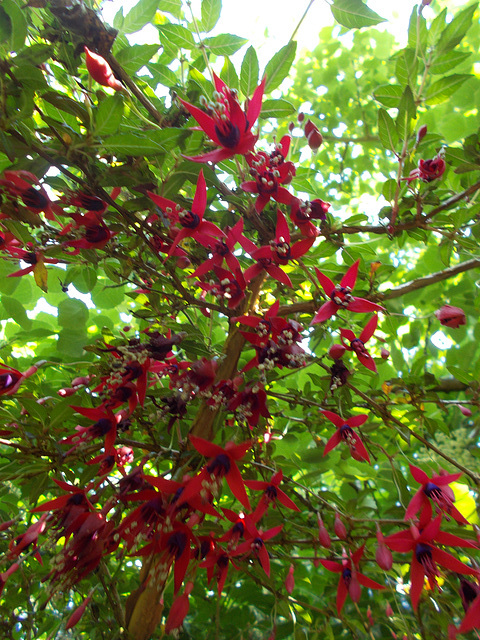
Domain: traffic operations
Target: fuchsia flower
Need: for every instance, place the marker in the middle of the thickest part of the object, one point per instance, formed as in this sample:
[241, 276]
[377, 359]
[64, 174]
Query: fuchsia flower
[223, 464]
[250, 404]
[231, 286]
[341, 296]
[450, 316]
[35, 259]
[436, 489]
[279, 252]
[21, 184]
[428, 170]
[11, 379]
[301, 214]
[101, 71]
[270, 171]
[271, 493]
[350, 578]
[222, 250]
[313, 136]
[425, 555]
[357, 345]
[95, 233]
[192, 222]
[270, 326]
[226, 123]
[345, 433]
[255, 543]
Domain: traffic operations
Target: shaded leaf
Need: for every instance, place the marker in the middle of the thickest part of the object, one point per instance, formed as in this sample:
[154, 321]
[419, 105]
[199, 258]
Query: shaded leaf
[249, 72]
[278, 67]
[354, 14]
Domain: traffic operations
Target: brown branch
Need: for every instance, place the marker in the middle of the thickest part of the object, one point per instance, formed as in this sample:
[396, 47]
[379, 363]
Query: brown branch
[453, 200]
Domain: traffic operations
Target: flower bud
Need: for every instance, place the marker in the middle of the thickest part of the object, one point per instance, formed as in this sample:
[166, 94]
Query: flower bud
[385, 354]
[301, 117]
[465, 410]
[101, 71]
[388, 610]
[421, 133]
[336, 351]
[323, 536]
[339, 528]
[291, 126]
[371, 621]
[451, 316]
[313, 135]
[383, 556]
[290, 580]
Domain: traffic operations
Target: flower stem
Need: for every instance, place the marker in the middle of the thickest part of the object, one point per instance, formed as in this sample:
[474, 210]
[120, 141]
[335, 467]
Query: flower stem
[301, 20]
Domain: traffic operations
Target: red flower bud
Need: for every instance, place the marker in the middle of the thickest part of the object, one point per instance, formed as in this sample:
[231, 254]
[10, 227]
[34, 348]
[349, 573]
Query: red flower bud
[388, 610]
[101, 71]
[323, 536]
[336, 351]
[383, 556]
[385, 354]
[421, 133]
[339, 528]
[451, 316]
[465, 410]
[78, 613]
[291, 126]
[313, 135]
[301, 117]
[290, 580]
[371, 621]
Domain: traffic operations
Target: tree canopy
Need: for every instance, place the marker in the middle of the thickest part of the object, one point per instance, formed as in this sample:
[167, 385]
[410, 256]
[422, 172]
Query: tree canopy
[239, 369]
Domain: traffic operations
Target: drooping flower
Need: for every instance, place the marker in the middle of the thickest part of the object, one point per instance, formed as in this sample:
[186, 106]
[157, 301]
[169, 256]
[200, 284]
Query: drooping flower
[357, 345]
[313, 136]
[255, 543]
[302, 214]
[450, 316]
[226, 123]
[11, 379]
[192, 222]
[341, 296]
[425, 555]
[250, 404]
[21, 183]
[345, 433]
[436, 489]
[222, 249]
[271, 493]
[101, 71]
[230, 287]
[350, 578]
[428, 170]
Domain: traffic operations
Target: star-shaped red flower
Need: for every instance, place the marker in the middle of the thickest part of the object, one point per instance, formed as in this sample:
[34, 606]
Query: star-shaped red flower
[345, 433]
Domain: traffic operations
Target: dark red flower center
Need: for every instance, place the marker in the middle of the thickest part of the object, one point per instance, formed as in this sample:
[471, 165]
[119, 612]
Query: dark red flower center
[228, 134]
[8, 380]
[267, 182]
[30, 258]
[34, 199]
[221, 248]
[92, 203]
[177, 543]
[341, 296]
[96, 233]
[189, 220]
[358, 346]
[271, 492]
[223, 560]
[220, 465]
[347, 576]
[101, 427]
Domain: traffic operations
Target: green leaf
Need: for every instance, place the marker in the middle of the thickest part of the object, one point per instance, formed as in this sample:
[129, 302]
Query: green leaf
[18, 23]
[36, 54]
[177, 35]
[83, 278]
[388, 94]
[277, 109]
[224, 44]
[249, 72]
[71, 342]
[136, 56]
[5, 25]
[461, 374]
[72, 313]
[109, 115]
[456, 29]
[229, 74]
[417, 31]
[448, 61]
[406, 113]
[162, 74]
[30, 76]
[406, 66]
[211, 10]
[139, 15]
[64, 103]
[387, 130]
[108, 297]
[16, 311]
[278, 67]
[174, 7]
[354, 14]
[129, 144]
[442, 89]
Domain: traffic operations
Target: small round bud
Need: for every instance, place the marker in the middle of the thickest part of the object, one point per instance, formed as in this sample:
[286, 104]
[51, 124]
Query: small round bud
[421, 133]
[301, 117]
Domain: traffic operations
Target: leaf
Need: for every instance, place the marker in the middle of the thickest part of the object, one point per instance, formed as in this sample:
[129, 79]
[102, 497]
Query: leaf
[16, 311]
[139, 15]
[211, 10]
[108, 297]
[64, 103]
[354, 14]
[72, 313]
[278, 67]
[177, 35]
[448, 61]
[5, 25]
[224, 44]
[455, 31]
[277, 109]
[18, 24]
[388, 94]
[109, 115]
[406, 66]
[461, 374]
[136, 56]
[129, 144]
[406, 113]
[162, 74]
[40, 274]
[35, 54]
[442, 89]
[387, 130]
[174, 7]
[229, 74]
[417, 31]
[249, 72]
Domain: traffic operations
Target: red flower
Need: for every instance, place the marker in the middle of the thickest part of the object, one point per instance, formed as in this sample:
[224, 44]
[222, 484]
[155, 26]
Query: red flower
[95, 233]
[278, 252]
[256, 543]
[313, 136]
[231, 286]
[20, 183]
[271, 325]
[250, 404]
[358, 344]
[270, 171]
[451, 316]
[222, 249]
[222, 465]
[301, 215]
[350, 578]
[425, 555]
[428, 170]
[192, 222]
[341, 297]
[228, 125]
[271, 493]
[101, 71]
[179, 610]
[35, 259]
[437, 490]
[345, 433]
[11, 379]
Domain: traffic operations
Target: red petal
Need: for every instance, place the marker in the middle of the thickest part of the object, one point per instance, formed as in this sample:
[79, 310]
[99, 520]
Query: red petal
[356, 421]
[369, 329]
[419, 475]
[206, 448]
[286, 501]
[213, 156]
[250, 186]
[333, 442]
[279, 275]
[200, 199]
[332, 566]
[367, 362]
[472, 618]
[235, 482]
[360, 305]
[327, 284]
[282, 230]
[341, 594]
[350, 277]
[417, 579]
[415, 504]
[368, 582]
[78, 613]
[264, 559]
[255, 104]
[450, 562]
[301, 247]
[326, 311]
[337, 420]
[205, 121]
